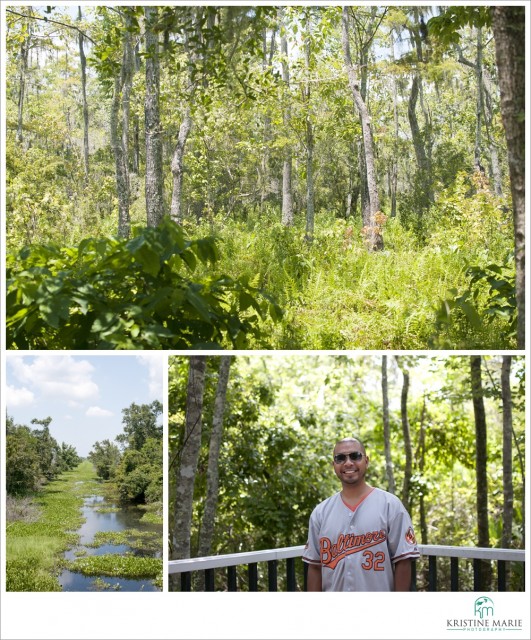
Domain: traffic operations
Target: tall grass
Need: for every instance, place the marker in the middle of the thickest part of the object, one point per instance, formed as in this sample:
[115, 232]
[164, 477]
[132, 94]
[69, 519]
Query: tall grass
[336, 295]
[34, 549]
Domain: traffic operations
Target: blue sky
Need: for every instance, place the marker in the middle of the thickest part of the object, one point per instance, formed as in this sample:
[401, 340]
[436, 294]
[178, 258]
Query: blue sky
[84, 395]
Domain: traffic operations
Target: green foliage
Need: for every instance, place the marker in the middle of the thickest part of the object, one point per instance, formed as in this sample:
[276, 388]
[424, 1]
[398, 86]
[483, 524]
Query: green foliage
[34, 550]
[127, 566]
[105, 456]
[446, 26]
[118, 294]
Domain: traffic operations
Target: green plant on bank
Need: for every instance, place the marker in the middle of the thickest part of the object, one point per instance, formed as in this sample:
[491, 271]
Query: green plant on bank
[130, 294]
[34, 550]
[135, 539]
[126, 566]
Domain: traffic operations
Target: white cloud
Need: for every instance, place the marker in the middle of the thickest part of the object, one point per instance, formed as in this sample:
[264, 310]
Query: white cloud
[98, 412]
[18, 397]
[57, 376]
[153, 362]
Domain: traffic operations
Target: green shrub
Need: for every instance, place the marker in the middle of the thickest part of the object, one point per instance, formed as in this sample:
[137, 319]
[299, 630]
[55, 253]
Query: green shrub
[130, 294]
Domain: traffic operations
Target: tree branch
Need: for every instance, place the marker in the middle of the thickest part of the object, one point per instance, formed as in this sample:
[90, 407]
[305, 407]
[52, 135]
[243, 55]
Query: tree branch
[63, 24]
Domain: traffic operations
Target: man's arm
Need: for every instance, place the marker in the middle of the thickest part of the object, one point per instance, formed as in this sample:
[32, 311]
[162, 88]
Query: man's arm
[402, 575]
[314, 578]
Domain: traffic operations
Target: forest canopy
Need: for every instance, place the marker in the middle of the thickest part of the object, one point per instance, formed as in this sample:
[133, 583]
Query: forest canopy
[287, 177]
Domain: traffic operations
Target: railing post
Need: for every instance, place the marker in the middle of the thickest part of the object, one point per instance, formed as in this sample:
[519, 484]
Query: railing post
[252, 571]
[290, 574]
[272, 575]
[231, 578]
[477, 575]
[432, 573]
[454, 574]
[209, 580]
[186, 581]
[502, 577]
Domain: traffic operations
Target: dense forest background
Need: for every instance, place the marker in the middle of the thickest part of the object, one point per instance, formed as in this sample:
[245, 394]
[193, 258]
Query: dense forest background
[251, 441]
[288, 177]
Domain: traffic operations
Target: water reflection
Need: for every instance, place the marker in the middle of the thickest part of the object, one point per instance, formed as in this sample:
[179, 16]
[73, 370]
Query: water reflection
[120, 518]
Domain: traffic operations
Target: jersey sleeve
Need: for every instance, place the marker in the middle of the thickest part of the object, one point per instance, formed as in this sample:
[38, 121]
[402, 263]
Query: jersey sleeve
[311, 554]
[401, 536]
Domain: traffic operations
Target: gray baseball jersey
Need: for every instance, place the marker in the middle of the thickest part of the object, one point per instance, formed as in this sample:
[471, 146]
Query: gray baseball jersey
[356, 547]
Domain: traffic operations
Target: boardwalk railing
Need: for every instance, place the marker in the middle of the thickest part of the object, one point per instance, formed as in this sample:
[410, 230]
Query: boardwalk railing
[230, 562]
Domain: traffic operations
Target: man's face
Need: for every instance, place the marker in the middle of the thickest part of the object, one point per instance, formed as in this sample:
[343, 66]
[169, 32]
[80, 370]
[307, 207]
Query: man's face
[350, 472]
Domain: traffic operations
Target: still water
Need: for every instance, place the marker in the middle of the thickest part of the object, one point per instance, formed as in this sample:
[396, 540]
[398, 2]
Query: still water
[125, 517]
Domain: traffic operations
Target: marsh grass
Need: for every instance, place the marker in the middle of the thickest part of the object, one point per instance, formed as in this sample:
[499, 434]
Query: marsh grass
[126, 566]
[148, 541]
[34, 550]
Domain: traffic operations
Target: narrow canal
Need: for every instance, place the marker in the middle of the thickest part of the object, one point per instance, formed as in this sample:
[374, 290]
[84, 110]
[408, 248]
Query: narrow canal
[111, 529]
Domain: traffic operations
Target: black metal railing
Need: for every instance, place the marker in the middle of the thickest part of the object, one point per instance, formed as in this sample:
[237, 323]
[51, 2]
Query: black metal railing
[259, 570]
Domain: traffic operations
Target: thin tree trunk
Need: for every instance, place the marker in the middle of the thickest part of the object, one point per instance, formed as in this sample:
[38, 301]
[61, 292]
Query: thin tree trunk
[481, 467]
[479, 100]
[287, 195]
[267, 63]
[211, 502]
[83, 61]
[508, 494]
[393, 179]
[120, 163]
[508, 26]
[177, 167]
[23, 70]
[374, 238]
[310, 204]
[387, 430]
[153, 132]
[187, 469]
[406, 433]
[421, 457]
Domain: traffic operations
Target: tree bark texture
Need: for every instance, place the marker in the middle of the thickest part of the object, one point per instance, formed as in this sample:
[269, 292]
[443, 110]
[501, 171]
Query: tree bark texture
[391, 487]
[287, 195]
[177, 167]
[187, 468]
[23, 70]
[481, 466]
[120, 163]
[211, 502]
[508, 26]
[310, 200]
[153, 132]
[374, 239]
[406, 433]
[83, 62]
[508, 494]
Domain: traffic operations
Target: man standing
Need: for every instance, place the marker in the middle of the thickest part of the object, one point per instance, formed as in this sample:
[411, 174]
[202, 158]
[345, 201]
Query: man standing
[362, 538]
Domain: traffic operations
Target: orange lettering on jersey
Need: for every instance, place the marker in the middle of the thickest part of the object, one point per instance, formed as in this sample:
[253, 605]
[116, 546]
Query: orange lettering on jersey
[332, 553]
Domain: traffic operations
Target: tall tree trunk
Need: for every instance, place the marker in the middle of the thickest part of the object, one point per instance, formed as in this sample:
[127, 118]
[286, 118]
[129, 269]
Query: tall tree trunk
[136, 121]
[23, 70]
[508, 26]
[481, 467]
[374, 238]
[421, 458]
[187, 469]
[211, 502]
[83, 62]
[406, 434]
[508, 494]
[387, 430]
[287, 195]
[153, 132]
[177, 167]
[267, 63]
[479, 100]
[393, 178]
[120, 163]
[310, 204]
